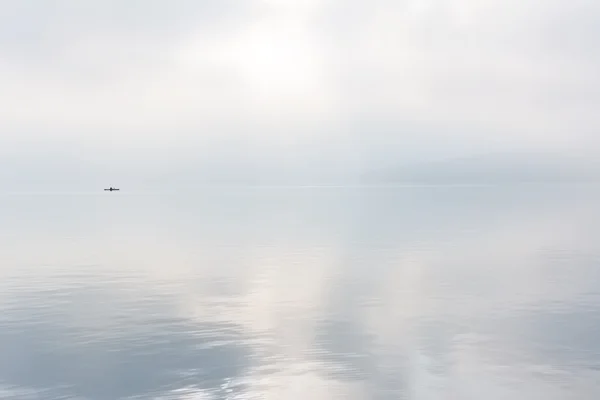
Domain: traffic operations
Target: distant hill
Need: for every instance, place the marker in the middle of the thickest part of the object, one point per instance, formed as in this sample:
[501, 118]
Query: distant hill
[491, 169]
[71, 173]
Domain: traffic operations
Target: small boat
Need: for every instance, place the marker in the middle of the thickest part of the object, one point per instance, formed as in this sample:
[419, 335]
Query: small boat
[111, 189]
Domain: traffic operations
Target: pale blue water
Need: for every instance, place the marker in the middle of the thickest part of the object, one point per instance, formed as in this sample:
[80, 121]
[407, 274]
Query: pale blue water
[314, 293]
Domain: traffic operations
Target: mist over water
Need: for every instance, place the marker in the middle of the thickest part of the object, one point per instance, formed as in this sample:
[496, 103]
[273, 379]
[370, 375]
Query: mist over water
[295, 293]
[185, 285]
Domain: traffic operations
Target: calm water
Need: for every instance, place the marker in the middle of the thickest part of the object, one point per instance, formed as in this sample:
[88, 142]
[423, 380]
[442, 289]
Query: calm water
[330, 293]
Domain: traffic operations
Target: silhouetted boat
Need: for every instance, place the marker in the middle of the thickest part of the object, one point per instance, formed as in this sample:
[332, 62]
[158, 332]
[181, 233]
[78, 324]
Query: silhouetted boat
[111, 189]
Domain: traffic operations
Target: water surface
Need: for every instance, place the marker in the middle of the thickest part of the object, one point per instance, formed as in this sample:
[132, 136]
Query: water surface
[296, 293]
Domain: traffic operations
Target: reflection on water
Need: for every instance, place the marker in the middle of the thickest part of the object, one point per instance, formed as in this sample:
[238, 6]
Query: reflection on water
[405, 293]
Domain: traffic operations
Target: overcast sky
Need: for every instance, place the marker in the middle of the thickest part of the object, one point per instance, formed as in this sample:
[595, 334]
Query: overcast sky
[359, 81]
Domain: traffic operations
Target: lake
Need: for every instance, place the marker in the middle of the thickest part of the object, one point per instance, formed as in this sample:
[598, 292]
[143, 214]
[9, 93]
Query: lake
[302, 293]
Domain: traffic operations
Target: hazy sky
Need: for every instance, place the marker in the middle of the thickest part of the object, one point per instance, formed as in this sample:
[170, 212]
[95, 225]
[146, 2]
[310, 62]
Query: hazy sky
[359, 81]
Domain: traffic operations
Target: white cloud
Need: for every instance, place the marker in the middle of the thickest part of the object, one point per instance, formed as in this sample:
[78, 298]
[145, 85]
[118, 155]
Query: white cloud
[151, 74]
